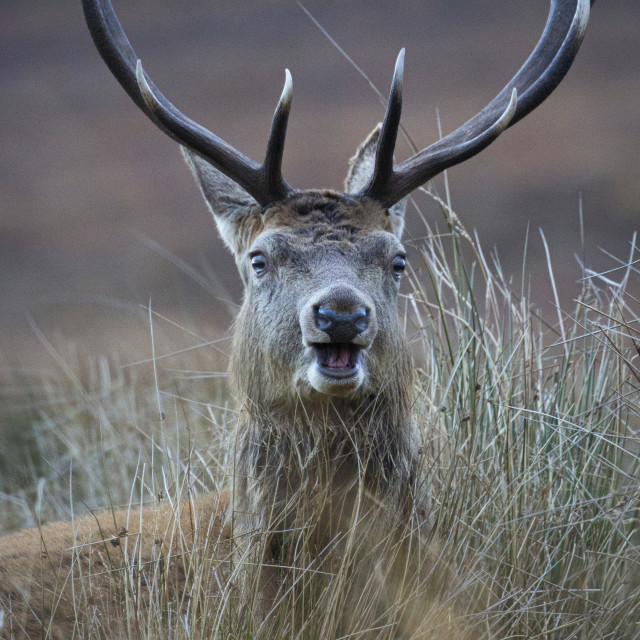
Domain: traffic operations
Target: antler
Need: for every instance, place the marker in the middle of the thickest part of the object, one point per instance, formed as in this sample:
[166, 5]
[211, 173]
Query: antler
[264, 182]
[534, 82]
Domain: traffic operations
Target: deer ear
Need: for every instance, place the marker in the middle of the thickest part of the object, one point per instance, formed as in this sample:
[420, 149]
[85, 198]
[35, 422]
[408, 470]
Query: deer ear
[361, 169]
[236, 212]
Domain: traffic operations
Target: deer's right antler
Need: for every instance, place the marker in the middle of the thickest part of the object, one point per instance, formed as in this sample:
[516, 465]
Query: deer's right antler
[534, 82]
[264, 182]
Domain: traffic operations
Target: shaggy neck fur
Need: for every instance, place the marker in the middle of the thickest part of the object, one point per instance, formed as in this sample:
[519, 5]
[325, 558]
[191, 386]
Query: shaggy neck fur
[291, 450]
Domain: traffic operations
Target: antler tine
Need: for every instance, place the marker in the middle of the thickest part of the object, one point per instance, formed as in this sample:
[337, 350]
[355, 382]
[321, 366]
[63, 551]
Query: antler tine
[114, 47]
[383, 169]
[534, 82]
[272, 165]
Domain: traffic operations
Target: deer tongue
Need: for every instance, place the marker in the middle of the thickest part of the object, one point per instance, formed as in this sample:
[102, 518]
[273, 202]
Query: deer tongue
[338, 356]
[335, 355]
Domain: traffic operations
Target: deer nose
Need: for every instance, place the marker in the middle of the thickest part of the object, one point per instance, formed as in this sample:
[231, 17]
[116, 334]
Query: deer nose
[341, 327]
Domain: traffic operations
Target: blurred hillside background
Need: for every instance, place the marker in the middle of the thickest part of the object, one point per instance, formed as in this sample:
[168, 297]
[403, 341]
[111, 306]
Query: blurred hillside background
[98, 211]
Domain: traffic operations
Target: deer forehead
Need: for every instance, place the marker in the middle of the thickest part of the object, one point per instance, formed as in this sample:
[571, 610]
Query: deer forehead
[324, 226]
[318, 213]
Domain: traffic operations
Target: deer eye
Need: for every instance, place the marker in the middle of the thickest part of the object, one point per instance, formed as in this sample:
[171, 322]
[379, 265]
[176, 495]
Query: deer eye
[398, 265]
[259, 264]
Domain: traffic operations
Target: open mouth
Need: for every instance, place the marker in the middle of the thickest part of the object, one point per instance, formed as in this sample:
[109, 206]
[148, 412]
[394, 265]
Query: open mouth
[338, 359]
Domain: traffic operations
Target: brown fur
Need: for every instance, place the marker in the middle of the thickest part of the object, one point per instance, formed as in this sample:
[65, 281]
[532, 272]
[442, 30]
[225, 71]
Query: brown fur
[309, 459]
[44, 571]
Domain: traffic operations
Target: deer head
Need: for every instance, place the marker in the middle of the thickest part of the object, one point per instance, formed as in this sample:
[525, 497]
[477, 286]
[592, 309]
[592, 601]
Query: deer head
[321, 269]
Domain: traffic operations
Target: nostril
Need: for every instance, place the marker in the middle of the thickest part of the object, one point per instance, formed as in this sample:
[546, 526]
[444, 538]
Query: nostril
[361, 319]
[325, 318]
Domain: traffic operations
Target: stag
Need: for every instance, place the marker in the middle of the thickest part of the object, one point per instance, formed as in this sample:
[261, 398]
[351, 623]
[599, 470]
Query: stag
[320, 367]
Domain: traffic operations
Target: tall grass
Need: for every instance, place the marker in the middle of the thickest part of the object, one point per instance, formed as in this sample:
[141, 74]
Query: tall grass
[529, 450]
[536, 423]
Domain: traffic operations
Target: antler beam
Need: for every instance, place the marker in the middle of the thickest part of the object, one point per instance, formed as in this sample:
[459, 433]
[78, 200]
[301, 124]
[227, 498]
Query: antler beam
[534, 82]
[264, 182]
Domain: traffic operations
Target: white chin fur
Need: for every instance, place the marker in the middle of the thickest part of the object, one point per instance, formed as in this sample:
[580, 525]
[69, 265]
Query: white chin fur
[340, 387]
